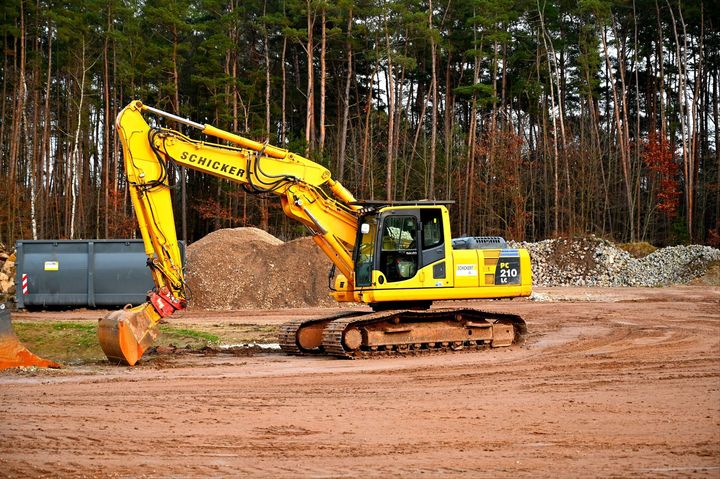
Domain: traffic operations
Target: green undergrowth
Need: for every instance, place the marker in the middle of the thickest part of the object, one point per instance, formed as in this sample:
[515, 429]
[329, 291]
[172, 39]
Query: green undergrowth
[74, 342]
[183, 335]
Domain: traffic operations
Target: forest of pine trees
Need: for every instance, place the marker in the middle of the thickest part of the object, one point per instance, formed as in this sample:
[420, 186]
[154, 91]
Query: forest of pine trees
[539, 118]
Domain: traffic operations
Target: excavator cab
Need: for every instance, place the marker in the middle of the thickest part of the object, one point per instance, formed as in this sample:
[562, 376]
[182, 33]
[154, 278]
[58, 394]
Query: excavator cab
[405, 258]
[396, 255]
[401, 246]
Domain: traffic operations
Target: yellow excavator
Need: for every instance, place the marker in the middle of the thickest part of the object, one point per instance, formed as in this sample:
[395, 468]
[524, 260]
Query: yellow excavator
[396, 257]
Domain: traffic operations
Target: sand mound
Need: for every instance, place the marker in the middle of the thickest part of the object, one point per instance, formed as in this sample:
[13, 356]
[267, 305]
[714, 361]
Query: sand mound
[247, 268]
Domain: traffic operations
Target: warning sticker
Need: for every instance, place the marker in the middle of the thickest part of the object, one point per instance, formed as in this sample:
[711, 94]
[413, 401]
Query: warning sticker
[466, 270]
[52, 266]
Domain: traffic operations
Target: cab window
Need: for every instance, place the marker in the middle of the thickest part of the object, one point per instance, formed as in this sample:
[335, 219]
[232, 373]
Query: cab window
[365, 251]
[399, 253]
[432, 228]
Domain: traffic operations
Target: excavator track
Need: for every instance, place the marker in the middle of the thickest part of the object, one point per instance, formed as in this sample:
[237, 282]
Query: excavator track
[358, 334]
[402, 332]
[304, 336]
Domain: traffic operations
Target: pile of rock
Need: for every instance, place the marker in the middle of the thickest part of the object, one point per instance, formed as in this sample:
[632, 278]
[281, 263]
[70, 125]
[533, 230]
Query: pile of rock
[672, 265]
[596, 262]
[7, 275]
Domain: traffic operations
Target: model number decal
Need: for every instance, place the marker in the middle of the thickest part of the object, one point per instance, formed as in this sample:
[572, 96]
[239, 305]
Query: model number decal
[508, 270]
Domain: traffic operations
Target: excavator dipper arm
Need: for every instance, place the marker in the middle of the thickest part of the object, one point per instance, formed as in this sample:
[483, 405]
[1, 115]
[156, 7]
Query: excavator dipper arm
[149, 154]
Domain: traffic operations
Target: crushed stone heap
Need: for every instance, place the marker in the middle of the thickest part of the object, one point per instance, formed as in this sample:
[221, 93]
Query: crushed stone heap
[596, 262]
[247, 268]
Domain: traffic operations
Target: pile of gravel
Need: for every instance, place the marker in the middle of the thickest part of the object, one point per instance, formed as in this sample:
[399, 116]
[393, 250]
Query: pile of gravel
[597, 262]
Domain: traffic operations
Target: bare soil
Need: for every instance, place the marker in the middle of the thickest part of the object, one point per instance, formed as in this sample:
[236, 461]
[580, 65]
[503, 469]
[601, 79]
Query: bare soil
[610, 383]
[711, 276]
[243, 268]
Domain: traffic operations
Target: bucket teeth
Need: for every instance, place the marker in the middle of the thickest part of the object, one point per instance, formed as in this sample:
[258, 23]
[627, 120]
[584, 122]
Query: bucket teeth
[13, 354]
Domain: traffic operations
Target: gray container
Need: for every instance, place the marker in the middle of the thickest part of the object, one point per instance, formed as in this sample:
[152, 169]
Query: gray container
[82, 273]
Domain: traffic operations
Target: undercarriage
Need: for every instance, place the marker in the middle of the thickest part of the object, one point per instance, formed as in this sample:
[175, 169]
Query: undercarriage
[359, 334]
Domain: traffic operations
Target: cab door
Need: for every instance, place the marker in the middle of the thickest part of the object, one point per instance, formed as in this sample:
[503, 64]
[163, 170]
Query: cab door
[433, 264]
[398, 254]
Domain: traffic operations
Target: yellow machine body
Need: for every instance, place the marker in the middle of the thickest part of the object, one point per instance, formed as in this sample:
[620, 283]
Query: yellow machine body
[430, 269]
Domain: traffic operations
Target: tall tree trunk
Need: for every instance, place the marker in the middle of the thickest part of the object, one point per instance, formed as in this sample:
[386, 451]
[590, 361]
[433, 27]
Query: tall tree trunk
[107, 128]
[625, 130]
[268, 85]
[283, 122]
[310, 114]
[31, 156]
[346, 99]
[638, 198]
[176, 106]
[472, 134]
[264, 208]
[716, 121]
[3, 102]
[46, 135]
[430, 192]
[556, 156]
[682, 107]
[76, 160]
[30, 153]
[366, 135]
[15, 138]
[323, 75]
[661, 62]
[449, 125]
[391, 116]
[691, 135]
[625, 161]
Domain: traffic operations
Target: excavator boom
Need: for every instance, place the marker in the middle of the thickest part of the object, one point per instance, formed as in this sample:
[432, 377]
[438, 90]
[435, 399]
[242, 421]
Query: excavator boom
[149, 154]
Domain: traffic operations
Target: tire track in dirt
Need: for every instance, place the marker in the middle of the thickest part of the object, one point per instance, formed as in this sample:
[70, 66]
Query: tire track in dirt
[599, 389]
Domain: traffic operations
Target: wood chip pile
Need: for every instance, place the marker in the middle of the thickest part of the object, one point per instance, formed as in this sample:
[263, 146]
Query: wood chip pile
[247, 268]
[7, 275]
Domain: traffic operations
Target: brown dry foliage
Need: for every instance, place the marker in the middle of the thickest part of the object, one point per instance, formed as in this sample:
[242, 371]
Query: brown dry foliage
[638, 249]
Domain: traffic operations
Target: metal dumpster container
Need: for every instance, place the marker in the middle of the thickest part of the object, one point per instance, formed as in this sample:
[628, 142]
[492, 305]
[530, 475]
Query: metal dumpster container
[82, 273]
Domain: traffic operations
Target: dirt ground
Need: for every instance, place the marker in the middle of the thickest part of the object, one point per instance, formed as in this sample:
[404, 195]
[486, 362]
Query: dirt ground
[610, 383]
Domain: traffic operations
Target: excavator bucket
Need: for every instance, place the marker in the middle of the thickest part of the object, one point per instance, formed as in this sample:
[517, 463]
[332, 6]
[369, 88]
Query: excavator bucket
[12, 352]
[125, 334]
